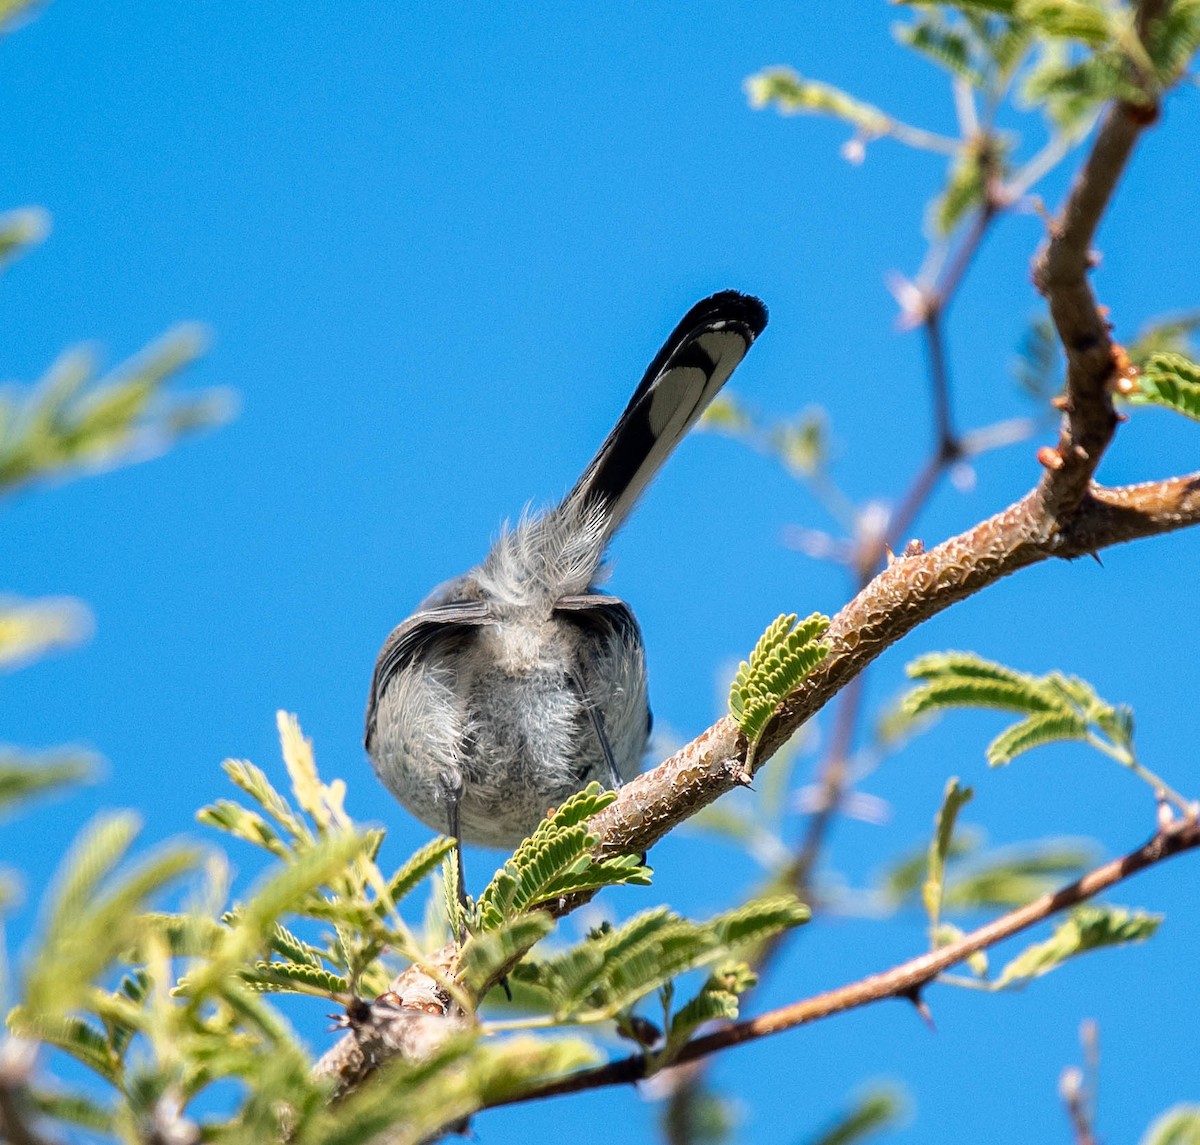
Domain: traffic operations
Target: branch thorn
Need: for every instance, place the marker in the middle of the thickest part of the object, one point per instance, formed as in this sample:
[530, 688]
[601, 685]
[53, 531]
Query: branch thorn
[919, 1004]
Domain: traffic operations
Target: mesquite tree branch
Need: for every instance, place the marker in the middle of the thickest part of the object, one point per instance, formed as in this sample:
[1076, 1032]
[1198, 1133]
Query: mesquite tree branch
[905, 981]
[911, 590]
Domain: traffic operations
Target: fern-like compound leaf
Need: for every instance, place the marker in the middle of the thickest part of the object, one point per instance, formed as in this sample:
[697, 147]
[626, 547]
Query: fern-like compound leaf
[1170, 381]
[785, 653]
[1046, 727]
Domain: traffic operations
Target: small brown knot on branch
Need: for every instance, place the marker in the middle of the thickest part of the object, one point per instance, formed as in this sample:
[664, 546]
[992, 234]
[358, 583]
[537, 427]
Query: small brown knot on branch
[914, 548]
[1143, 114]
[1050, 458]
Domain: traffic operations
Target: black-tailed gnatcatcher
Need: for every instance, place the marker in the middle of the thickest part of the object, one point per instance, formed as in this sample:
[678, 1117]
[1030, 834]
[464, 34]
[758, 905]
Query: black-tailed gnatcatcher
[516, 684]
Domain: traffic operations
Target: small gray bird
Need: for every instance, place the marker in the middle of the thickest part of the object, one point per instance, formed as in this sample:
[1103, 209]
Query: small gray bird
[516, 684]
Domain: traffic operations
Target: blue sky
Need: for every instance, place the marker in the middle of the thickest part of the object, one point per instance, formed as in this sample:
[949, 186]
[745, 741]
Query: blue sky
[435, 246]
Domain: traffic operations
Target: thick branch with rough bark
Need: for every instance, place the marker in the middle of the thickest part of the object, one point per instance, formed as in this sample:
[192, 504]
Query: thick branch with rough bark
[911, 590]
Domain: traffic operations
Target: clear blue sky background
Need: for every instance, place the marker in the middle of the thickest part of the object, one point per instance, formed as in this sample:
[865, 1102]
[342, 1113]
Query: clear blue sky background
[436, 245]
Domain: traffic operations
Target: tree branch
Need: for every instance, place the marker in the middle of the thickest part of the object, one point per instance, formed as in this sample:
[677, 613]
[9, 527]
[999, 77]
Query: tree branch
[16, 1112]
[906, 593]
[904, 981]
[910, 591]
[1060, 274]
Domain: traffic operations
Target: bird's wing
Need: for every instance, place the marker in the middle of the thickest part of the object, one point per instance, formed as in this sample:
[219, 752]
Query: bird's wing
[407, 639]
[591, 608]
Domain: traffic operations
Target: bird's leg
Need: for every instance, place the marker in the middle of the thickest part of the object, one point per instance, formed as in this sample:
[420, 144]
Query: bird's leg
[614, 776]
[452, 789]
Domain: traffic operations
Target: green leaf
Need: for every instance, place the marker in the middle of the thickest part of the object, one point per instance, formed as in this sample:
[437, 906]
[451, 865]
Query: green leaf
[968, 692]
[616, 967]
[726, 414]
[716, 1001]
[1072, 91]
[1170, 381]
[13, 11]
[1009, 880]
[676, 947]
[30, 630]
[75, 1109]
[1090, 23]
[538, 862]
[712, 1004]
[953, 801]
[92, 858]
[785, 653]
[288, 890]
[452, 904]
[485, 956]
[1172, 40]
[556, 860]
[80, 944]
[292, 948]
[1000, 7]
[907, 875]
[74, 1036]
[72, 420]
[254, 782]
[134, 987]
[757, 920]
[791, 94]
[411, 1102]
[22, 229]
[241, 823]
[578, 809]
[1089, 927]
[964, 190]
[878, 1109]
[24, 777]
[1046, 727]
[1169, 335]
[1057, 706]
[594, 874]
[583, 975]
[256, 1015]
[323, 802]
[955, 665]
[295, 978]
[191, 935]
[414, 871]
[1178, 1126]
[802, 444]
[950, 48]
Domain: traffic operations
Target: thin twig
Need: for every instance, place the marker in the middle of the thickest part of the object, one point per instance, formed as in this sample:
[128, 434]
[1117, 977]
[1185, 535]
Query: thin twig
[1078, 1086]
[905, 981]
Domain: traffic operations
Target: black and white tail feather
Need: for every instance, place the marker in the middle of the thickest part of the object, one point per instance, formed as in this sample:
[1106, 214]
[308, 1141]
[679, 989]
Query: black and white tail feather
[518, 683]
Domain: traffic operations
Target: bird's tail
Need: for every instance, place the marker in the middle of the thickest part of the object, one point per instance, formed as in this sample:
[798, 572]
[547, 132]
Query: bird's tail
[685, 375]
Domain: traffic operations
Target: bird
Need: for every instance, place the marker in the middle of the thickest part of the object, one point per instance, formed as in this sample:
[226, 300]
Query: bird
[519, 682]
